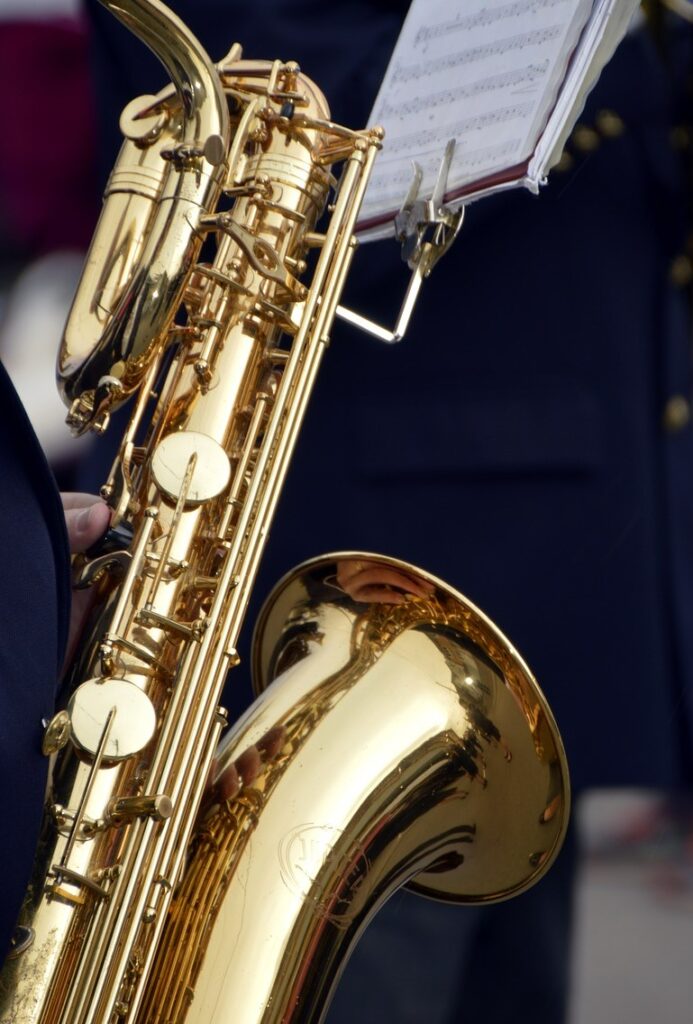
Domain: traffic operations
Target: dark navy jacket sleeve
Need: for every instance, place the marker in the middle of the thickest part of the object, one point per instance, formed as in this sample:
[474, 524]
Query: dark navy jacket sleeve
[35, 597]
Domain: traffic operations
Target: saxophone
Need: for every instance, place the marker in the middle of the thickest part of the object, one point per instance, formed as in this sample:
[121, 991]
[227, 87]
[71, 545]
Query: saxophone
[397, 738]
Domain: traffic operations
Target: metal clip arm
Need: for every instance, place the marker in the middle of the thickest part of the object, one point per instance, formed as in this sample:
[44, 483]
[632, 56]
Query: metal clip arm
[426, 229]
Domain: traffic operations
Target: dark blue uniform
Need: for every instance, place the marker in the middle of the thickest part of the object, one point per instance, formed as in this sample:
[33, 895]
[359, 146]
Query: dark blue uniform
[33, 627]
[530, 442]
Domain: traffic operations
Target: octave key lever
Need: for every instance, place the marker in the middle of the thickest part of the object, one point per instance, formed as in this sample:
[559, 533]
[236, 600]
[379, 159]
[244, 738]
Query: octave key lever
[125, 809]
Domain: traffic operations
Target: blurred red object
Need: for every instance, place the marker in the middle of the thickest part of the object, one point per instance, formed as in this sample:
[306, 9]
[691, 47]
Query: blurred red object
[48, 186]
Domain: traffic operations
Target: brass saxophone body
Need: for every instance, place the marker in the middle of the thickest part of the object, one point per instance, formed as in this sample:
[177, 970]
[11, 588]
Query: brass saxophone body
[403, 741]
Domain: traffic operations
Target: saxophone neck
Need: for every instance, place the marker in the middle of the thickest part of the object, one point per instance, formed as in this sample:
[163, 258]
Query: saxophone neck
[202, 99]
[169, 174]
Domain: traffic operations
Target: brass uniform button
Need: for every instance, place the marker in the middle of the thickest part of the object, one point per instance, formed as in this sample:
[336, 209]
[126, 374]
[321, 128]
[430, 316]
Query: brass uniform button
[680, 137]
[585, 139]
[681, 270]
[609, 124]
[677, 414]
[565, 163]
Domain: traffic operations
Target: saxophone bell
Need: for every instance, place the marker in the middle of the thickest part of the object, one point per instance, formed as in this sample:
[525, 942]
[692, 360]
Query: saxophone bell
[397, 739]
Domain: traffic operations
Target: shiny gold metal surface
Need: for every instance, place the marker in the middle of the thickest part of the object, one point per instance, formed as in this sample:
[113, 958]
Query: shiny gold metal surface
[442, 684]
[209, 473]
[57, 733]
[148, 236]
[399, 739]
[403, 741]
[129, 712]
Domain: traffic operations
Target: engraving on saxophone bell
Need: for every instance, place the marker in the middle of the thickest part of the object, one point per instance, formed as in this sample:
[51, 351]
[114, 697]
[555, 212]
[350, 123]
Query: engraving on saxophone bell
[131, 727]
[211, 472]
[309, 851]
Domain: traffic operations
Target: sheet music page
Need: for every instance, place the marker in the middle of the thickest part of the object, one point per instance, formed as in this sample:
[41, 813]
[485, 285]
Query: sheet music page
[601, 37]
[486, 72]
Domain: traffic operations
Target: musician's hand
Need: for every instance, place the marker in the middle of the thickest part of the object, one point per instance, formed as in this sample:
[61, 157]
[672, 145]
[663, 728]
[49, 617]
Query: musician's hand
[377, 583]
[87, 518]
[227, 780]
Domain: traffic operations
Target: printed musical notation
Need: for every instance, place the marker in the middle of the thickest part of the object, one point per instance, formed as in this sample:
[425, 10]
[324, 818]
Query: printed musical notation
[523, 79]
[485, 72]
[484, 18]
[421, 141]
[391, 181]
[436, 65]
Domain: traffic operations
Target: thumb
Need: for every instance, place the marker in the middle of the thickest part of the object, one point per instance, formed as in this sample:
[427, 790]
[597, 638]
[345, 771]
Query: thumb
[85, 525]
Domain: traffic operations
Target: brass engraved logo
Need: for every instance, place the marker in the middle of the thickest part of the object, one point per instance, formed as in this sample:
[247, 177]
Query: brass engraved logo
[316, 865]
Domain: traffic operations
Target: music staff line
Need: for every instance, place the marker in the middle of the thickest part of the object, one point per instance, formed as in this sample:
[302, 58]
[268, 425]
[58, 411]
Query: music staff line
[412, 72]
[529, 74]
[416, 141]
[384, 184]
[484, 18]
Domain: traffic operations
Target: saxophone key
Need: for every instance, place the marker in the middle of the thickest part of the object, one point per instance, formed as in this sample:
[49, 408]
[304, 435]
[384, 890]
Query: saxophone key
[189, 630]
[21, 940]
[119, 702]
[110, 659]
[62, 876]
[57, 733]
[171, 459]
[159, 807]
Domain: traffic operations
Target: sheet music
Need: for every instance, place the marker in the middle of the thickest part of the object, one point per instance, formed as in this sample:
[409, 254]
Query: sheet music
[486, 72]
[600, 39]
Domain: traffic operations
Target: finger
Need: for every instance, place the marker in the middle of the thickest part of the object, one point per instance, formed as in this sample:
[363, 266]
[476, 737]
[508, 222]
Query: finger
[347, 568]
[234, 776]
[405, 581]
[78, 499]
[85, 524]
[272, 742]
[377, 595]
[381, 576]
[354, 575]
[249, 765]
[229, 783]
